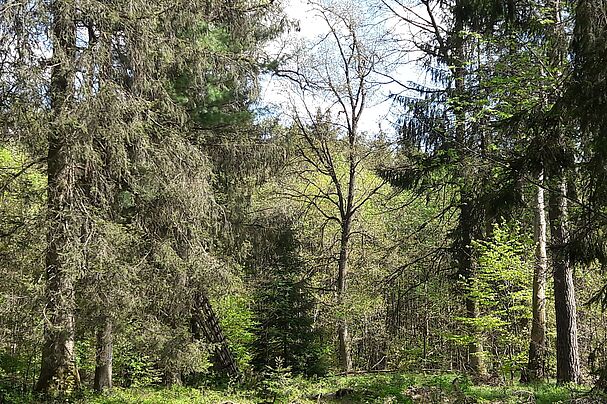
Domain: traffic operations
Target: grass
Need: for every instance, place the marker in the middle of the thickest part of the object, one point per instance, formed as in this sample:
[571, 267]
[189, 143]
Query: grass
[370, 388]
[178, 395]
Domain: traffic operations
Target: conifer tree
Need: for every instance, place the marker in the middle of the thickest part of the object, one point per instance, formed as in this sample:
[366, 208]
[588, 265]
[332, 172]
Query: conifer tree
[118, 141]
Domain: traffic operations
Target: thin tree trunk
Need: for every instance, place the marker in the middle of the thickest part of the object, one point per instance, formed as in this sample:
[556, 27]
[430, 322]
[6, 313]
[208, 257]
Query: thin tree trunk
[567, 356]
[342, 268]
[537, 346]
[476, 353]
[476, 350]
[104, 356]
[345, 358]
[58, 369]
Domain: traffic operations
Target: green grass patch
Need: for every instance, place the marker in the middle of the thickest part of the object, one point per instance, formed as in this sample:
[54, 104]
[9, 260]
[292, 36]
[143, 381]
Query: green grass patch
[175, 395]
[368, 388]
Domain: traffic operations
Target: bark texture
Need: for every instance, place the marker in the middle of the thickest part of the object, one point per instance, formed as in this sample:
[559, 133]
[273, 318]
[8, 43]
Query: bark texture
[536, 367]
[345, 357]
[567, 356]
[104, 356]
[476, 350]
[58, 369]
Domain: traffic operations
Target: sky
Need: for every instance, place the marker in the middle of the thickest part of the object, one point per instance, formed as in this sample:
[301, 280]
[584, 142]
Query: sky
[376, 118]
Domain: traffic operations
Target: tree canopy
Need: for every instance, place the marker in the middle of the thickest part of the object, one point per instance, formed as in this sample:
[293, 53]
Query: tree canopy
[203, 193]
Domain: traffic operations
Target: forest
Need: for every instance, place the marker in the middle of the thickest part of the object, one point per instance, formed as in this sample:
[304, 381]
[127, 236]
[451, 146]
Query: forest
[266, 201]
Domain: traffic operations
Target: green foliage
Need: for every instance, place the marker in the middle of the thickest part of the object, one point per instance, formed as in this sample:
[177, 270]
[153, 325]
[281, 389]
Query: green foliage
[504, 268]
[278, 383]
[501, 286]
[134, 368]
[85, 358]
[22, 209]
[371, 388]
[280, 387]
[173, 191]
[283, 307]
[17, 373]
[238, 324]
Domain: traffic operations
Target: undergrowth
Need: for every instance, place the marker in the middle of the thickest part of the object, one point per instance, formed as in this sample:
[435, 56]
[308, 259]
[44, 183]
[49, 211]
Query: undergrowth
[369, 388]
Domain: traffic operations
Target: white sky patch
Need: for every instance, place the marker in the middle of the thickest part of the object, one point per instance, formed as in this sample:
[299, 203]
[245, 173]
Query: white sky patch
[377, 117]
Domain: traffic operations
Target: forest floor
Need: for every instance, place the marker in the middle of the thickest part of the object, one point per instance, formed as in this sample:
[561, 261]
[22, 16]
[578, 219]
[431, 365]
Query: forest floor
[367, 388]
[370, 388]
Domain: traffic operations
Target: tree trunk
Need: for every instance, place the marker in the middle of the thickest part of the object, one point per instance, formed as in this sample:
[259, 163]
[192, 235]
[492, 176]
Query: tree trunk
[476, 352]
[103, 366]
[347, 213]
[537, 347]
[567, 356]
[172, 378]
[467, 220]
[58, 369]
[345, 358]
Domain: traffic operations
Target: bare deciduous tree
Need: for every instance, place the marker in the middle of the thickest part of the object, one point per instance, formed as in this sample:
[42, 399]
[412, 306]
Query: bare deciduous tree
[335, 80]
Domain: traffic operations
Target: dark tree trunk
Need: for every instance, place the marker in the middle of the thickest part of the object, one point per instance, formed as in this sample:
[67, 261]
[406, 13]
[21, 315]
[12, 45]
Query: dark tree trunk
[468, 219]
[537, 346]
[172, 378]
[567, 356]
[347, 213]
[103, 366]
[58, 369]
